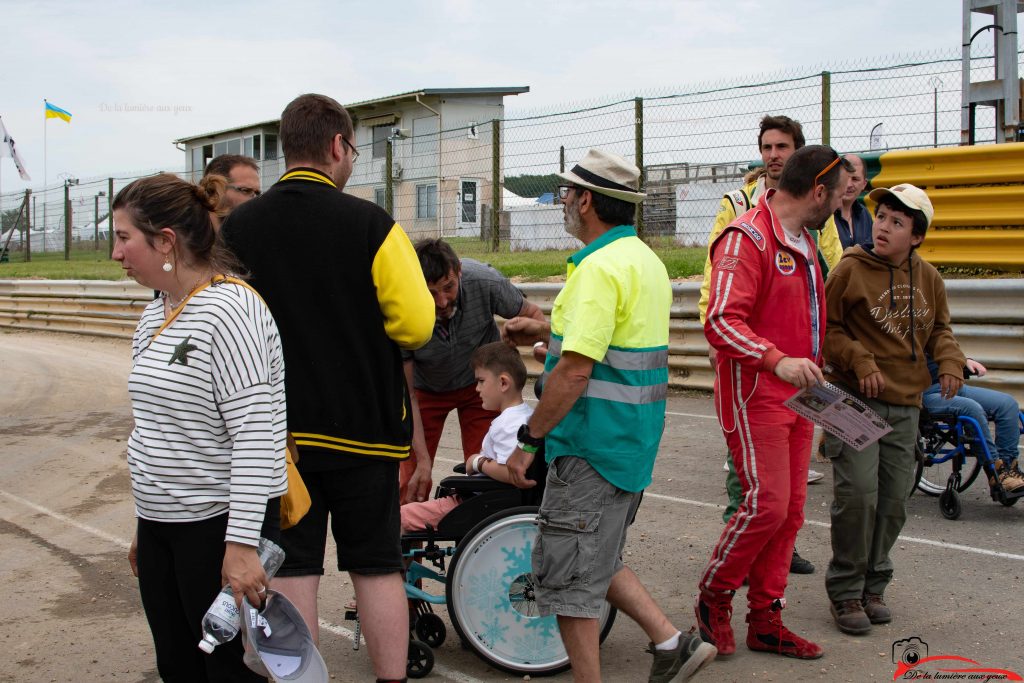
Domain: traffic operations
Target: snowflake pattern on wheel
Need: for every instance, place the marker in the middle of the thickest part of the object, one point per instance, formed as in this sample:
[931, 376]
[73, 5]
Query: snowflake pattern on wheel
[493, 633]
[482, 588]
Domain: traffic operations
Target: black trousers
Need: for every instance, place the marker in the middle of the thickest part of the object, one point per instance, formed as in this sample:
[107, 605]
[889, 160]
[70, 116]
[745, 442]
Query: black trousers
[179, 576]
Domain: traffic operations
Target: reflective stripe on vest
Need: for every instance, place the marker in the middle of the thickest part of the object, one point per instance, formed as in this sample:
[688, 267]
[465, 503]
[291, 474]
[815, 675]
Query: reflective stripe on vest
[618, 364]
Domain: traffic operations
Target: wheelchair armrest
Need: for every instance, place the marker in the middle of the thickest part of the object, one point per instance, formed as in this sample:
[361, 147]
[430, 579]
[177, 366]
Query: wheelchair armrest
[467, 484]
[460, 468]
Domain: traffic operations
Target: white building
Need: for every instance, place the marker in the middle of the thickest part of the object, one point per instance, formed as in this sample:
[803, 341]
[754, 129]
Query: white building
[442, 154]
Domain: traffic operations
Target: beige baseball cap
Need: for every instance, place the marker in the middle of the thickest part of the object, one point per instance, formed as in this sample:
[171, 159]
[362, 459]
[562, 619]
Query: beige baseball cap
[909, 195]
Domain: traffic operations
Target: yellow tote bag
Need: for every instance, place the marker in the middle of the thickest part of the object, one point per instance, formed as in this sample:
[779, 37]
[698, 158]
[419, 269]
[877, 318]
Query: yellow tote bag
[295, 503]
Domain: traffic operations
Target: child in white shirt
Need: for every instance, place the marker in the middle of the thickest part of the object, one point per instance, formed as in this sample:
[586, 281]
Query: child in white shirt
[500, 377]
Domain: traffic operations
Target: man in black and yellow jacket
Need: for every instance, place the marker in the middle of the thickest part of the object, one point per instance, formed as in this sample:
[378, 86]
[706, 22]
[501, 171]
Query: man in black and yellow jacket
[345, 287]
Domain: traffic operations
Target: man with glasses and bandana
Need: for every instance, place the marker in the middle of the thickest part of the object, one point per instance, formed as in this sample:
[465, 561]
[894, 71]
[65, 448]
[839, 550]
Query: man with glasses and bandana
[600, 418]
[243, 176]
[766, 319]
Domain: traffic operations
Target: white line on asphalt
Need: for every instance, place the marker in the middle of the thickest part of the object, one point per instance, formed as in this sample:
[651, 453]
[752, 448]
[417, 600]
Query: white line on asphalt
[705, 417]
[120, 542]
[826, 525]
[439, 669]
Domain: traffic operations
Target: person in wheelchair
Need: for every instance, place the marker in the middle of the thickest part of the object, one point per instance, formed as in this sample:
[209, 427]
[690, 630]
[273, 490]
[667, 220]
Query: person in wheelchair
[983, 405]
[886, 309]
[500, 378]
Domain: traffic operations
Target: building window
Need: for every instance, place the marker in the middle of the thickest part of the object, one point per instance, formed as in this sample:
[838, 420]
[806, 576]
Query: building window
[232, 146]
[378, 196]
[426, 201]
[380, 141]
[424, 135]
[269, 147]
[251, 146]
[201, 156]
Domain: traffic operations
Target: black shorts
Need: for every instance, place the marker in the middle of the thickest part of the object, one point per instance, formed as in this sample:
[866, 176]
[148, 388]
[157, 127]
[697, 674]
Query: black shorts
[362, 501]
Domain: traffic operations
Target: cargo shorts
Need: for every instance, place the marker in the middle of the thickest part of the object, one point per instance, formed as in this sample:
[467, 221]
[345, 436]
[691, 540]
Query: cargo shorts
[582, 531]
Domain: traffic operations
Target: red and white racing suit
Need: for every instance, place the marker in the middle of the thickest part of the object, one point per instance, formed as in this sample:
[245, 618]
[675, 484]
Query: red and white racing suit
[766, 303]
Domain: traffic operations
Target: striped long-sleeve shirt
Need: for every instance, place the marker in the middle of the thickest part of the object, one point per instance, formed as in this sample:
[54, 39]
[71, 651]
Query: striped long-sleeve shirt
[209, 406]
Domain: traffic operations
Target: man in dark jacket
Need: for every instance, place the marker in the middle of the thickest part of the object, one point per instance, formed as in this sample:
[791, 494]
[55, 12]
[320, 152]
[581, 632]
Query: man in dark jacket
[345, 287]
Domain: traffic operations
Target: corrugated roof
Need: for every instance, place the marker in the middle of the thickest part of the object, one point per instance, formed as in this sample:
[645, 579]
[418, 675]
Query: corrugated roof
[511, 90]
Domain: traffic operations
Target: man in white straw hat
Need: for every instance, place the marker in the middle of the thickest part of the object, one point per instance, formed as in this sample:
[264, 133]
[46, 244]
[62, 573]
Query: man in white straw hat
[600, 419]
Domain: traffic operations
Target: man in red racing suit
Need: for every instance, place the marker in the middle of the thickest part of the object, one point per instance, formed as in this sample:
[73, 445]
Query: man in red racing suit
[766, 319]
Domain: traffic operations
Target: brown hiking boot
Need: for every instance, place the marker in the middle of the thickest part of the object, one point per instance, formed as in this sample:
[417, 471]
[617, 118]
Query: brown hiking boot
[1009, 475]
[876, 609]
[850, 617]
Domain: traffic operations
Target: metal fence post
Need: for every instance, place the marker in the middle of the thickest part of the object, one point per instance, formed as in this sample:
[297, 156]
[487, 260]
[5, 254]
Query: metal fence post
[495, 184]
[638, 135]
[826, 108]
[389, 188]
[561, 159]
[67, 221]
[110, 217]
[28, 225]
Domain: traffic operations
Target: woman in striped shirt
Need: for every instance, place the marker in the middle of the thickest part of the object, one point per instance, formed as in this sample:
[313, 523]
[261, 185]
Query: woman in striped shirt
[206, 454]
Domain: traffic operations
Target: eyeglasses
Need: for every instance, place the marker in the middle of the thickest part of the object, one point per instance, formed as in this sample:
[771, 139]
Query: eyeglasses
[247, 191]
[826, 169]
[355, 152]
[563, 191]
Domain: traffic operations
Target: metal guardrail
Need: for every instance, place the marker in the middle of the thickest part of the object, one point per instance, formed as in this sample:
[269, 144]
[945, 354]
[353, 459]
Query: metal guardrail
[988, 320]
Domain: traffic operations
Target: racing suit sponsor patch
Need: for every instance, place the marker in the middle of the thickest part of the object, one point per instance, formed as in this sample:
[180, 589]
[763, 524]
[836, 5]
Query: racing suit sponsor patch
[784, 262]
[728, 263]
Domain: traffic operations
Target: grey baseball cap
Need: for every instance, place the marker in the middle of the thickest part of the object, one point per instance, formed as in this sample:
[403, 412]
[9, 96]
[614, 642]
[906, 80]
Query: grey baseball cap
[279, 638]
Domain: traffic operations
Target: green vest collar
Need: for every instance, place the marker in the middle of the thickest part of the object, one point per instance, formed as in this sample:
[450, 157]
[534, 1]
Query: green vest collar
[604, 240]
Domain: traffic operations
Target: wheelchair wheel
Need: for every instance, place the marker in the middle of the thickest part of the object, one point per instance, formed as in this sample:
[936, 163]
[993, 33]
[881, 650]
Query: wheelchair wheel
[919, 468]
[491, 603]
[949, 504]
[1009, 502]
[420, 661]
[430, 629]
[932, 479]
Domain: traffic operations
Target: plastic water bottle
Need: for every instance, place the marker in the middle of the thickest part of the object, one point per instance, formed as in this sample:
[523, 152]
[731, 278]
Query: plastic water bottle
[222, 621]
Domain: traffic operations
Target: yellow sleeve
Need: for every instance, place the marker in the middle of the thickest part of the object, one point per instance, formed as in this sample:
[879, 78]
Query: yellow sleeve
[726, 215]
[829, 245]
[402, 291]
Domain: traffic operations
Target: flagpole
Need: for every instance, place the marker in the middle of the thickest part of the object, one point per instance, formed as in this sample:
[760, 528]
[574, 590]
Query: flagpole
[46, 177]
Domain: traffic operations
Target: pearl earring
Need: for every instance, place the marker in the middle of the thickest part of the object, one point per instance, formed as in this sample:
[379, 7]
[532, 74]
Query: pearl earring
[167, 266]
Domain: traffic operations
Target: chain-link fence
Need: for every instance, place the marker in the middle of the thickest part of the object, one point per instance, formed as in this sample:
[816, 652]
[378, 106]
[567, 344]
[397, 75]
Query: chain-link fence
[439, 176]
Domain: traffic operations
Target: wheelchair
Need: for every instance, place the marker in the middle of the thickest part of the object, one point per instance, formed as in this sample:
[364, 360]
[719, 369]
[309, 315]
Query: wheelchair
[951, 453]
[481, 553]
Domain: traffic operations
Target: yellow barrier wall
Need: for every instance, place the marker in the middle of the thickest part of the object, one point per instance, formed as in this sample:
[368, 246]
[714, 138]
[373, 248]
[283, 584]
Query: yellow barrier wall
[980, 187]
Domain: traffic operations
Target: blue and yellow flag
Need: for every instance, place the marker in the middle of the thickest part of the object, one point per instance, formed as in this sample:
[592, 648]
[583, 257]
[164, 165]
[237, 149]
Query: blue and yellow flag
[55, 112]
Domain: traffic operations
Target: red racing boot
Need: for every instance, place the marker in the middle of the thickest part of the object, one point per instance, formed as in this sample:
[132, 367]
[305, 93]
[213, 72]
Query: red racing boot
[714, 614]
[766, 633]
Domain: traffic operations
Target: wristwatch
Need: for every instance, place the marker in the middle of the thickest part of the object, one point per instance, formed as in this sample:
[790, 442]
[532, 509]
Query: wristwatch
[525, 437]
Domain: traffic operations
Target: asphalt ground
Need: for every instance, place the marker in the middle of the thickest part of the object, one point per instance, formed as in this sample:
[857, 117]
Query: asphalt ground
[72, 612]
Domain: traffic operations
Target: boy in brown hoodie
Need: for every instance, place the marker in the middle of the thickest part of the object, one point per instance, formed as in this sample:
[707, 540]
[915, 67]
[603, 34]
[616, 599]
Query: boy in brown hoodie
[886, 310]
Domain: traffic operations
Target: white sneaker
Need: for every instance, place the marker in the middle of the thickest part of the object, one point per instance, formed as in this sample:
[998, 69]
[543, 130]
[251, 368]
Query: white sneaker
[814, 476]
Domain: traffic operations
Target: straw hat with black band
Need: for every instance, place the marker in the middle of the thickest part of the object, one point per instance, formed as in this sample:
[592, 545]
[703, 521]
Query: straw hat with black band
[607, 174]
